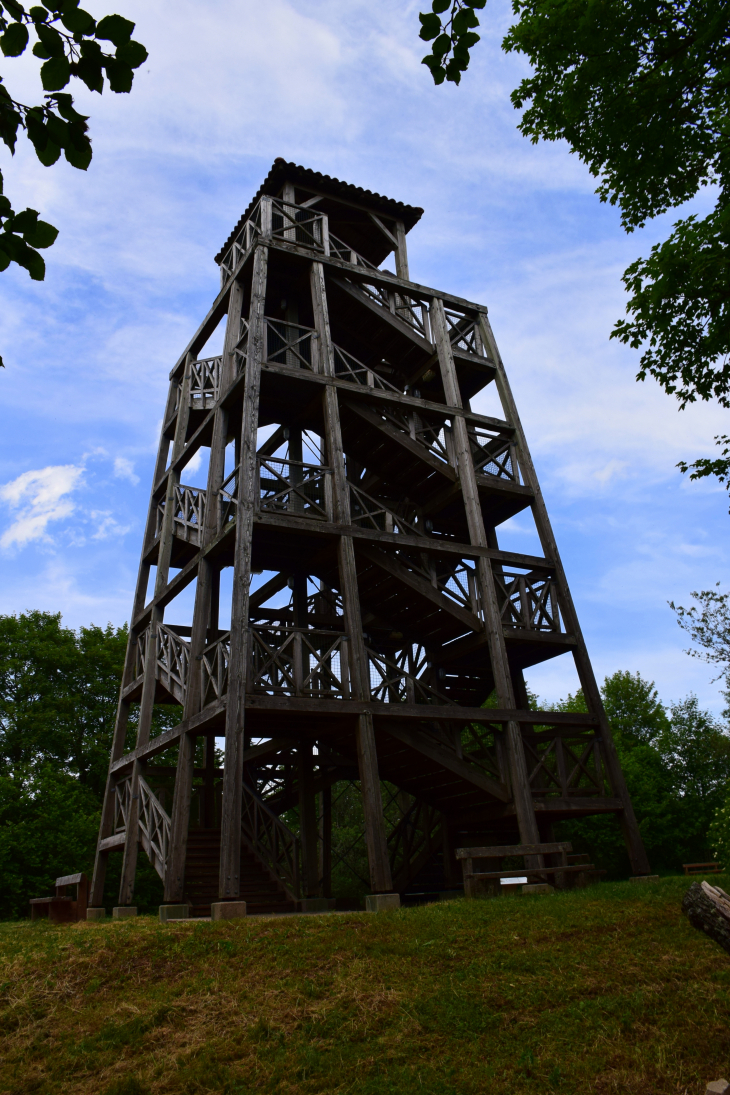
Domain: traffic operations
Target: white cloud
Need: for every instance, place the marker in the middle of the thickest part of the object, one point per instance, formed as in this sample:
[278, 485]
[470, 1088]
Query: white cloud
[124, 469]
[43, 496]
[106, 526]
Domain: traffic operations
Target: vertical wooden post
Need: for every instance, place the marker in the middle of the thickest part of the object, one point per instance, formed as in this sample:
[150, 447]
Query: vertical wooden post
[521, 794]
[229, 878]
[205, 589]
[632, 836]
[367, 756]
[307, 819]
[106, 826]
[326, 842]
[147, 700]
[401, 252]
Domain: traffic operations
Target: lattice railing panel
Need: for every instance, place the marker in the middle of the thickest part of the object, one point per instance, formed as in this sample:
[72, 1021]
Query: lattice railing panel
[373, 513]
[565, 765]
[405, 677]
[271, 840]
[188, 513]
[205, 382]
[154, 827]
[529, 601]
[413, 841]
[214, 664]
[297, 662]
[293, 487]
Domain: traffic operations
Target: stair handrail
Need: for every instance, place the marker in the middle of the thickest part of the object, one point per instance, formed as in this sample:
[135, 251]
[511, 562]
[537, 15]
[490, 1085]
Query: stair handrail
[272, 842]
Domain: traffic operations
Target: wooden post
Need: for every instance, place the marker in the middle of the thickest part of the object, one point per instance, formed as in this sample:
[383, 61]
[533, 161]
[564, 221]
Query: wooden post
[229, 880]
[492, 617]
[634, 843]
[147, 700]
[326, 841]
[401, 252]
[367, 756]
[307, 819]
[205, 590]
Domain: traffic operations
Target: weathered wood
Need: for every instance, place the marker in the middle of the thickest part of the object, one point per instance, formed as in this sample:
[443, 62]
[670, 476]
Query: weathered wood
[449, 760]
[492, 618]
[708, 909]
[514, 849]
[634, 843]
[233, 769]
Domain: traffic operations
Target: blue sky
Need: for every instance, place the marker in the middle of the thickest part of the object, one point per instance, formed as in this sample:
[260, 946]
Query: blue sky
[339, 88]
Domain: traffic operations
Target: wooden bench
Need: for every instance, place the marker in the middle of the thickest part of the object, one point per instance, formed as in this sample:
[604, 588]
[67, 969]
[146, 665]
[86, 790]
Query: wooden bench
[702, 868]
[488, 883]
[61, 908]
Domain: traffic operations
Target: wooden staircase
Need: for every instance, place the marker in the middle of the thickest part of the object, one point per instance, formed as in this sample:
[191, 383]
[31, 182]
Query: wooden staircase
[258, 890]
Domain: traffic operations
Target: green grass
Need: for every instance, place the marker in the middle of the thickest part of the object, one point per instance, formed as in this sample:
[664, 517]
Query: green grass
[604, 990]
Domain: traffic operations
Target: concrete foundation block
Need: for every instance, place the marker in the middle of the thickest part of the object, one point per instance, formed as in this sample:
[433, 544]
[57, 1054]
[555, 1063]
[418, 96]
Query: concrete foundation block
[96, 914]
[644, 878]
[123, 912]
[718, 1087]
[174, 912]
[315, 904]
[227, 910]
[380, 902]
[537, 887]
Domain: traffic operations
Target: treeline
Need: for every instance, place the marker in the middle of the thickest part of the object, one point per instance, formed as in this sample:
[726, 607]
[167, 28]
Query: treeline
[58, 697]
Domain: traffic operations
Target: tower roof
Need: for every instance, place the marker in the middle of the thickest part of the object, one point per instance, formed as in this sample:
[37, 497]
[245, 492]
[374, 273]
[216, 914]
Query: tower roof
[282, 171]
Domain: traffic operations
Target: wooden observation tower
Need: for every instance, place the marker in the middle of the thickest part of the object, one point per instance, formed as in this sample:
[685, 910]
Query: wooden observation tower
[356, 498]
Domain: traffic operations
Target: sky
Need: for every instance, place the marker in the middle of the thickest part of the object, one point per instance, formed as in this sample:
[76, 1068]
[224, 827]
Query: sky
[339, 88]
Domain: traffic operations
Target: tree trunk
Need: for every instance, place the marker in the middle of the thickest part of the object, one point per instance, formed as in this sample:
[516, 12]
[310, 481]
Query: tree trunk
[708, 909]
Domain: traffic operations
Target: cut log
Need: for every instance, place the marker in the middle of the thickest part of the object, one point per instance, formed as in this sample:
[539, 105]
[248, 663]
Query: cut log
[708, 909]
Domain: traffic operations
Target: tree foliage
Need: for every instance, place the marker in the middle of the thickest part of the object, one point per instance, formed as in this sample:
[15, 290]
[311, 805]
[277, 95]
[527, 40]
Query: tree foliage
[708, 625]
[71, 44]
[639, 90]
[676, 763]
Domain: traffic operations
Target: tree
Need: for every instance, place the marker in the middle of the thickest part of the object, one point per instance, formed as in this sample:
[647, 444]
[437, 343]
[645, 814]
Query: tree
[640, 92]
[676, 764]
[708, 624]
[58, 698]
[68, 42]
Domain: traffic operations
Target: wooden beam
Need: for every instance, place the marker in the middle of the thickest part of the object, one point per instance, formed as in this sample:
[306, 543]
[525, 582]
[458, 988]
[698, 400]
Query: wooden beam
[448, 759]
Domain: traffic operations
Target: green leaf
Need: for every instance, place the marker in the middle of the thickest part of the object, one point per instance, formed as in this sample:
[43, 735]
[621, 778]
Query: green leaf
[453, 71]
[16, 10]
[476, 3]
[441, 46]
[89, 70]
[440, 5]
[463, 20]
[132, 53]
[56, 73]
[4, 262]
[119, 75]
[23, 221]
[431, 25]
[78, 21]
[39, 50]
[14, 40]
[436, 70]
[38, 14]
[48, 154]
[113, 28]
[35, 265]
[51, 39]
[77, 157]
[42, 234]
[470, 39]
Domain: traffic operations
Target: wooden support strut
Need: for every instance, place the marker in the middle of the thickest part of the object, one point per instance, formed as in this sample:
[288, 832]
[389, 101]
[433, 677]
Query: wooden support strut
[492, 619]
[634, 844]
[375, 835]
[229, 877]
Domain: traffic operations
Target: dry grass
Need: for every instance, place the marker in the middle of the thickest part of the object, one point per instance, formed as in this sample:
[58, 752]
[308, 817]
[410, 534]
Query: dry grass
[605, 990]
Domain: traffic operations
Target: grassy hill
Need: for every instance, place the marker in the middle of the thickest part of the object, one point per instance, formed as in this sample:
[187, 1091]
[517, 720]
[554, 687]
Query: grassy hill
[604, 990]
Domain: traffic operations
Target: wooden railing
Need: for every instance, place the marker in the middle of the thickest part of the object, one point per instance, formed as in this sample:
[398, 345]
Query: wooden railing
[413, 841]
[407, 677]
[294, 487]
[154, 822]
[528, 601]
[214, 668]
[172, 658]
[287, 661]
[154, 828]
[272, 842]
[188, 513]
[369, 512]
[205, 383]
